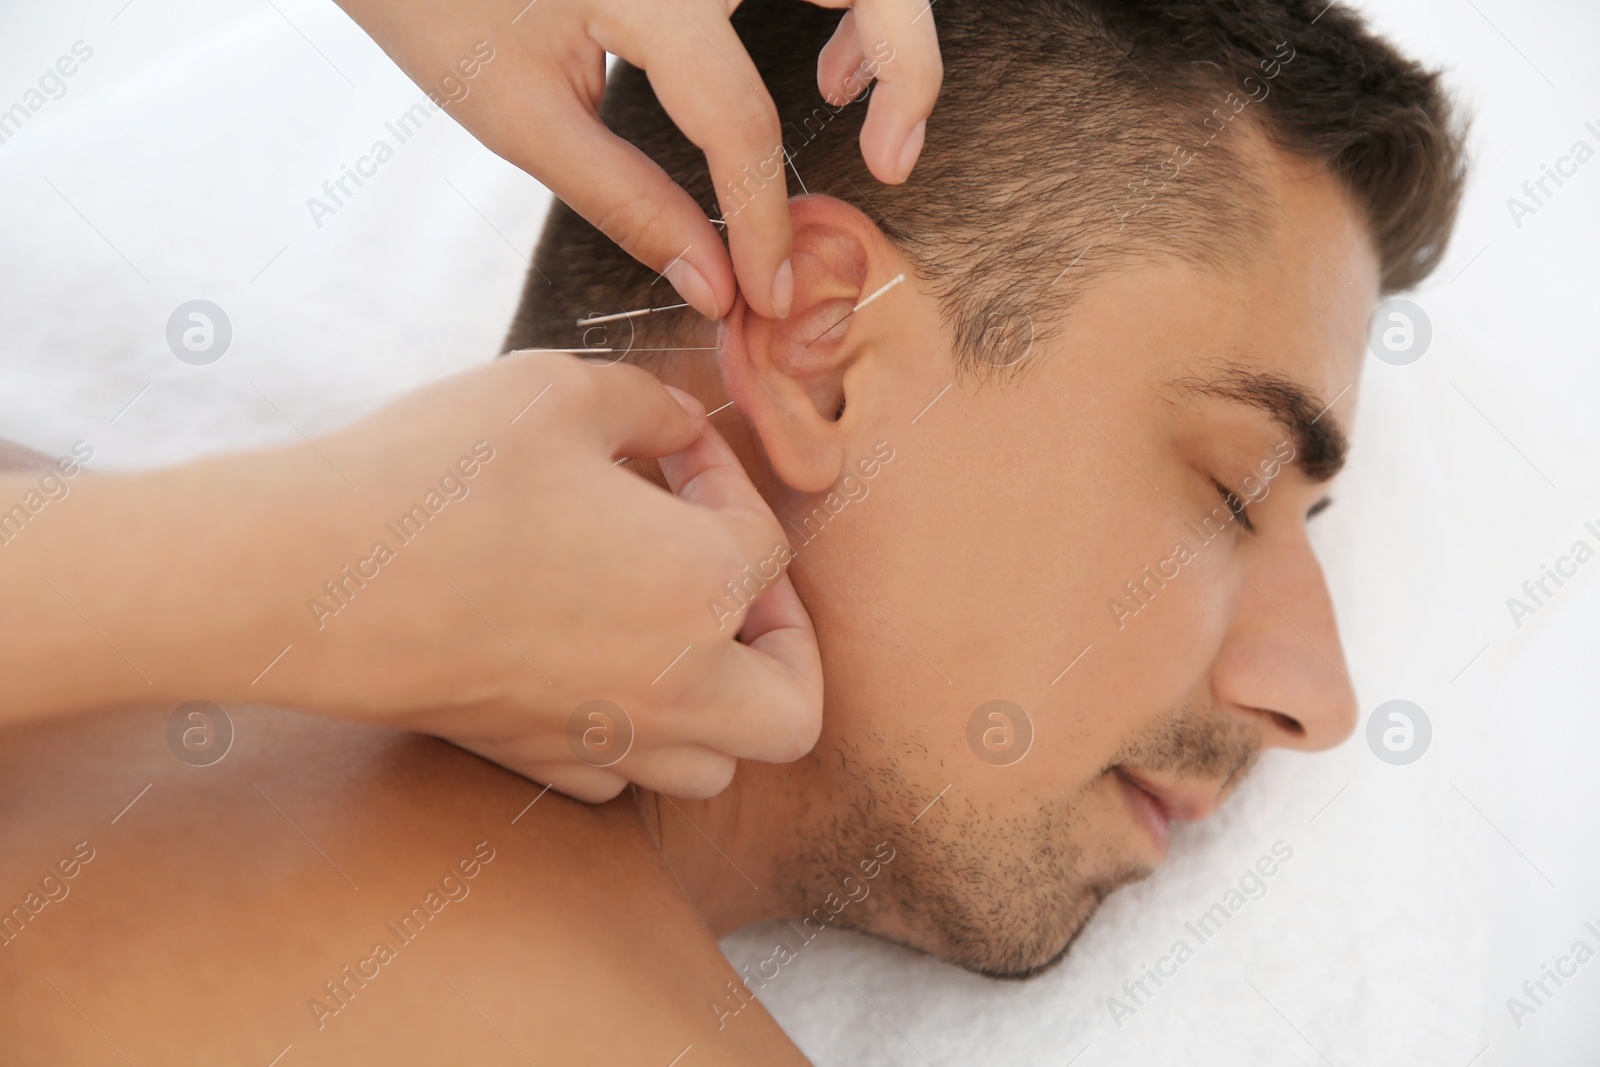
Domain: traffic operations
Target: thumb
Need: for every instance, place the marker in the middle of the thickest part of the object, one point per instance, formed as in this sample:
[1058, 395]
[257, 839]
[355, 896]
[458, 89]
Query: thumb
[627, 411]
[783, 642]
[707, 474]
[765, 701]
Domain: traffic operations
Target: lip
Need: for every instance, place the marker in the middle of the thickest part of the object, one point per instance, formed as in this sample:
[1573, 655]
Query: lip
[1156, 805]
[1178, 802]
[1148, 812]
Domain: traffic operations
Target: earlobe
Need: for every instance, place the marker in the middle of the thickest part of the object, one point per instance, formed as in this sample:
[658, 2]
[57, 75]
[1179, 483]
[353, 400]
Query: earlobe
[792, 378]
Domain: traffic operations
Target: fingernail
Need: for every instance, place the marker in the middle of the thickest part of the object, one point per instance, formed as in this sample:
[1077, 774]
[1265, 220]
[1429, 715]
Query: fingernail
[911, 149]
[691, 406]
[693, 287]
[783, 290]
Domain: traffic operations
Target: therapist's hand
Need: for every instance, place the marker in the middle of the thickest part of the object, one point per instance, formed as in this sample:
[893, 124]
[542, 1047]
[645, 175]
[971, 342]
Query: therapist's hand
[560, 578]
[470, 562]
[535, 102]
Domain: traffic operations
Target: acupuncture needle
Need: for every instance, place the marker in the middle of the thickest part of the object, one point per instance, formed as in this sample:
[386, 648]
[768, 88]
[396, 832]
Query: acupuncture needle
[595, 320]
[605, 351]
[710, 413]
[884, 288]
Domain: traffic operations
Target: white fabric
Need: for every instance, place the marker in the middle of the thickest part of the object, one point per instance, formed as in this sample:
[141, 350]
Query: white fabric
[1420, 898]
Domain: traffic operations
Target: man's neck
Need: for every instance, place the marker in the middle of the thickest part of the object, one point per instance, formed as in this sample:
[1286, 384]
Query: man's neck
[727, 852]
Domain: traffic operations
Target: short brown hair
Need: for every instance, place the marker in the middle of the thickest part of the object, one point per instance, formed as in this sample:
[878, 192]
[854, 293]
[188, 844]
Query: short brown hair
[1065, 128]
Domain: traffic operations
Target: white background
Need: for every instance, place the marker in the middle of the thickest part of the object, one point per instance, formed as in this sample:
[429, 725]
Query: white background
[178, 164]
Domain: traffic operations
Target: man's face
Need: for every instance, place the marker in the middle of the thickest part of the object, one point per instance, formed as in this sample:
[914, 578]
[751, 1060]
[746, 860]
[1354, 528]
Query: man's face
[1062, 541]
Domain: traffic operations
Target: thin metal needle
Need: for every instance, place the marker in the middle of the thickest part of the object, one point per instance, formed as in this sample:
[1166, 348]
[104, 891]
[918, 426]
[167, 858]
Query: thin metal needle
[884, 288]
[595, 320]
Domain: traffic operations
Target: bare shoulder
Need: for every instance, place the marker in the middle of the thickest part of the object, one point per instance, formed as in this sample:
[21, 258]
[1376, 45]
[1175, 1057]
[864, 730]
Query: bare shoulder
[331, 893]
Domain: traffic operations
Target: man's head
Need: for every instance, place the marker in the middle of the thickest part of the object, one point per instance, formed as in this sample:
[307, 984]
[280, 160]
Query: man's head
[1048, 495]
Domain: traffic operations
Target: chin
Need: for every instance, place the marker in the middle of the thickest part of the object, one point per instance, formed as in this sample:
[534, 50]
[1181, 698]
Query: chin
[1020, 973]
[1011, 951]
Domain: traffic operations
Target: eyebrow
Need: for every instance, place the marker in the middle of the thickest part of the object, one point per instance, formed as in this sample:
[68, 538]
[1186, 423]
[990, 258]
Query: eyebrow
[1320, 446]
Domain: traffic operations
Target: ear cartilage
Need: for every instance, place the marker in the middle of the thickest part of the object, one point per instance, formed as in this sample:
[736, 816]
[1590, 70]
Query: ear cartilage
[884, 288]
[595, 320]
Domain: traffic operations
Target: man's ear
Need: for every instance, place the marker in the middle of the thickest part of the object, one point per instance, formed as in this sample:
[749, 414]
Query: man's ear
[802, 381]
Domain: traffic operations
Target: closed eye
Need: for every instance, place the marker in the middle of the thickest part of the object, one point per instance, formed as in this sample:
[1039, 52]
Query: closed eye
[1236, 505]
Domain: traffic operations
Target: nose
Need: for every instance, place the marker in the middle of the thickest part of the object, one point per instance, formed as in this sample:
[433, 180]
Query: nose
[1281, 659]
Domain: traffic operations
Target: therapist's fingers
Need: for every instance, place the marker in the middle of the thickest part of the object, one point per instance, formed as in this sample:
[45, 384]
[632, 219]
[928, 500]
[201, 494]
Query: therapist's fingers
[529, 757]
[841, 66]
[767, 700]
[763, 695]
[709, 87]
[898, 41]
[682, 770]
[626, 196]
[590, 784]
[627, 411]
[707, 474]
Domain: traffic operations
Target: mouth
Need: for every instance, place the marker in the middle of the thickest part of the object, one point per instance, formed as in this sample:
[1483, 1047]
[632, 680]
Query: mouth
[1155, 806]
[1148, 813]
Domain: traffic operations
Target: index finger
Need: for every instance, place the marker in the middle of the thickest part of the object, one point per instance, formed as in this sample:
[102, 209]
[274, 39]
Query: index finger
[707, 474]
[623, 409]
[626, 195]
[708, 85]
